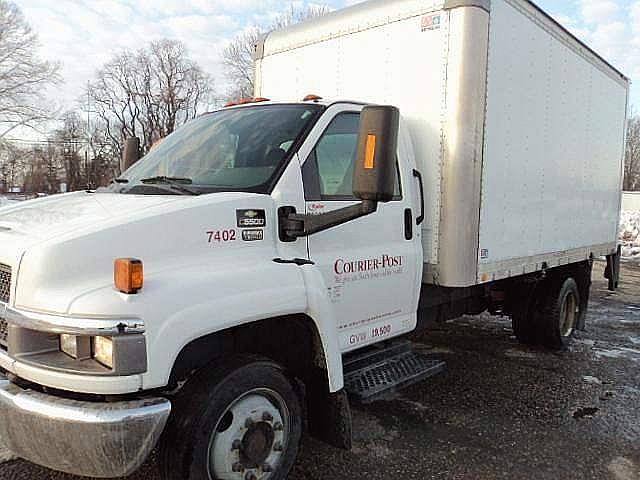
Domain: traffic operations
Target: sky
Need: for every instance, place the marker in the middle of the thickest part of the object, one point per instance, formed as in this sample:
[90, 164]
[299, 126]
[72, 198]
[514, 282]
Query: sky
[85, 34]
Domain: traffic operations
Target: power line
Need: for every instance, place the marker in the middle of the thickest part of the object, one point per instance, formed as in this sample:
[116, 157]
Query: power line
[57, 142]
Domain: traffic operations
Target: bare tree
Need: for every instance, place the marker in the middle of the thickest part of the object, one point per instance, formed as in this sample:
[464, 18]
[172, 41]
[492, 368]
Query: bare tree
[238, 56]
[23, 75]
[11, 165]
[149, 93]
[71, 138]
[51, 164]
[632, 155]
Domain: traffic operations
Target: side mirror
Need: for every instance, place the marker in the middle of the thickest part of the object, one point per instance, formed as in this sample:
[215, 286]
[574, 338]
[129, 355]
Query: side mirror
[130, 153]
[375, 173]
[374, 177]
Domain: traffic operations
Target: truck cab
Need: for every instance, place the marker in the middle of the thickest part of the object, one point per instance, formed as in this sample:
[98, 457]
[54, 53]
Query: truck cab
[211, 249]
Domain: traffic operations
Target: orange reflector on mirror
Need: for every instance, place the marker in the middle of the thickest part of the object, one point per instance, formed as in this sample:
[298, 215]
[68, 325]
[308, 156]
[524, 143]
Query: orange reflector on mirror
[369, 159]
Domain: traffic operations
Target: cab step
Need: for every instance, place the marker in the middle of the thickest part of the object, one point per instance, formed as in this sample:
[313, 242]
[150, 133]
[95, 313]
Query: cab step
[384, 369]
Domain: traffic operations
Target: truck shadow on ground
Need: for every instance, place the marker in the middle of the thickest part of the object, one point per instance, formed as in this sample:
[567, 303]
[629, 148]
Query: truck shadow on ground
[500, 411]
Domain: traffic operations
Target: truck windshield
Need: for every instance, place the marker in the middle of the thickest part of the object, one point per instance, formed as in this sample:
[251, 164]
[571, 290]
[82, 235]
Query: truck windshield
[242, 149]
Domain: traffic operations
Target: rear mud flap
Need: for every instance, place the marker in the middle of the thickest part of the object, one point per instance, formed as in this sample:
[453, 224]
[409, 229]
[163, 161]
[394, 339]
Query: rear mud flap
[612, 271]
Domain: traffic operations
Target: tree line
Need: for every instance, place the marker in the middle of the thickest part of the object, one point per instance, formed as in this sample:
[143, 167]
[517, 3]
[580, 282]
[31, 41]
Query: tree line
[147, 93]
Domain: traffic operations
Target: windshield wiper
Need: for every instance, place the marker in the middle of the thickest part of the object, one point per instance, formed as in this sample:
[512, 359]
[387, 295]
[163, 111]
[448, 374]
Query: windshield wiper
[176, 183]
[120, 180]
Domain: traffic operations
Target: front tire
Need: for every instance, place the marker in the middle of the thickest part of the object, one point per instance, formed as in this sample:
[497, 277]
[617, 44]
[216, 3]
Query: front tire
[242, 421]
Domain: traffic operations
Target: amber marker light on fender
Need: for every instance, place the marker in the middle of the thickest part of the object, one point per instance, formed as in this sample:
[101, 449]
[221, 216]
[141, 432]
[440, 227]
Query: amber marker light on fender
[128, 275]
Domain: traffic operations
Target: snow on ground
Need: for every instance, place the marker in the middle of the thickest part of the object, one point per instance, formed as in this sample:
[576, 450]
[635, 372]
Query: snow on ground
[6, 200]
[630, 234]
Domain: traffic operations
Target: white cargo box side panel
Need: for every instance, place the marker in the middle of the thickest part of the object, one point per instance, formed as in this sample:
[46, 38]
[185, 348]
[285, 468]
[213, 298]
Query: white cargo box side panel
[390, 52]
[554, 144]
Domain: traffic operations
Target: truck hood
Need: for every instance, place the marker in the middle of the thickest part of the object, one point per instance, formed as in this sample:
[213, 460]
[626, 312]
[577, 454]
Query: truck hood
[65, 246]
[48, 217]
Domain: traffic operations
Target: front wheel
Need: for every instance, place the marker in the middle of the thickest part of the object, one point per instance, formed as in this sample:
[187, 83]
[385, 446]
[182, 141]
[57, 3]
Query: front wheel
[241, 422]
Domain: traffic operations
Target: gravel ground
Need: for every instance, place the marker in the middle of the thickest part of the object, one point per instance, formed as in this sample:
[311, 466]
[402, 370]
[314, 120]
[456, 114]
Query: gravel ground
[501, 411]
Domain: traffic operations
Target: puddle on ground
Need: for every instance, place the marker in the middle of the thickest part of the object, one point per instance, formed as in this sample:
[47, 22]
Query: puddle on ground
[517, 353]
[585, 412]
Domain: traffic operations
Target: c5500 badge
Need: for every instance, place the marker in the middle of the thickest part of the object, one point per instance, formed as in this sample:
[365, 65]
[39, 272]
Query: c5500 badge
[251, 218]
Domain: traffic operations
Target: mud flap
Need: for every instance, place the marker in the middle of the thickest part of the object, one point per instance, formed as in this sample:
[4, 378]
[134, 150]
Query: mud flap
[612, 271]
[329, 417]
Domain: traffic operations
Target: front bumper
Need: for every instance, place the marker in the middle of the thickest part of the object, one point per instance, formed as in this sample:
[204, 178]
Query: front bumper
[103, 440]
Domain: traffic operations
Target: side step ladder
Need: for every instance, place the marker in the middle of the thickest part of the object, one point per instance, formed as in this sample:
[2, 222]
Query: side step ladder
[383, 369]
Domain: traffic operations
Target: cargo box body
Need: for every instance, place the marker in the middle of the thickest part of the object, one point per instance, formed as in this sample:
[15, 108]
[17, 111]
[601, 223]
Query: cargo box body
[517, 127]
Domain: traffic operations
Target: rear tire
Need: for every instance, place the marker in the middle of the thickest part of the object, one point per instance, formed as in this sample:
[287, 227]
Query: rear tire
[240, 421]
[558, 312]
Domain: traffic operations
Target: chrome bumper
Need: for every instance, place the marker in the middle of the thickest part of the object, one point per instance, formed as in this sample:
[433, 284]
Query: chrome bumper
[103, 440]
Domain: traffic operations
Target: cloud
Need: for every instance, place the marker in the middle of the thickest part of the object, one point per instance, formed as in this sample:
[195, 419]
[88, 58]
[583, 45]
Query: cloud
[595, 12]
[84, 34]
[612, 29]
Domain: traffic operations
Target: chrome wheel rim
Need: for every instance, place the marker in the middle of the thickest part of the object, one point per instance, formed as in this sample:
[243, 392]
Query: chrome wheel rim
[250, 438]
[569, 315]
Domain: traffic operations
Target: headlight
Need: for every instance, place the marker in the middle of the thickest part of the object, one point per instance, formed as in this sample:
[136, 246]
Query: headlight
[76, 347]
[103, 351]
[80, 348]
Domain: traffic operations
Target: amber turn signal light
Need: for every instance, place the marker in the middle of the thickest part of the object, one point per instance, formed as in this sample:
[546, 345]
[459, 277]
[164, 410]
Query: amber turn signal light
[128, 275]
[370, 154]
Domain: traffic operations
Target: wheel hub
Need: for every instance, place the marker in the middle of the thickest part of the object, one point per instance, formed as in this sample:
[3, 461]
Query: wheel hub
[257, 445]
[250, 440]
[569, 315]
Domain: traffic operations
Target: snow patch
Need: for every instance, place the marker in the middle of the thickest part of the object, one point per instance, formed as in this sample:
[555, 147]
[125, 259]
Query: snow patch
[618, 352]
[629, 234]
[5, 454]
[592, 380]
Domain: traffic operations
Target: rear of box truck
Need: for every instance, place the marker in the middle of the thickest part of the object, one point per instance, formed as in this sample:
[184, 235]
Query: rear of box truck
[518, 128]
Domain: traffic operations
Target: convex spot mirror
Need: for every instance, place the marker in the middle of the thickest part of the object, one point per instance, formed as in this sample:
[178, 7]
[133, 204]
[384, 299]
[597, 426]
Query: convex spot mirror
[374, 177]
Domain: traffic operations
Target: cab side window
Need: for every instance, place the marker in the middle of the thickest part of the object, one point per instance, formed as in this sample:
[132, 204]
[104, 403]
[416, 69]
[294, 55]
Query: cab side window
[328, 172]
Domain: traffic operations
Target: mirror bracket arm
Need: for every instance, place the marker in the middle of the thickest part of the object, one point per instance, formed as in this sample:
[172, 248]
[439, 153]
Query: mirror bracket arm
[298, 225]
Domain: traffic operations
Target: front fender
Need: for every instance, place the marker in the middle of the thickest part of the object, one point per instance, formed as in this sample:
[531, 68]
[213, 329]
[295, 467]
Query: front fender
[321, 310]
[179, 306]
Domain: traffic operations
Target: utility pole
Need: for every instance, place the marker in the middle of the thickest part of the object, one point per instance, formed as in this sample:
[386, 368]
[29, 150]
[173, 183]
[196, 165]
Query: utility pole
[88, 147]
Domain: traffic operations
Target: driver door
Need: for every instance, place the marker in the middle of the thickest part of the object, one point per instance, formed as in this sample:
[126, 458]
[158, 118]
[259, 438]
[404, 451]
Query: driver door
[369, 265]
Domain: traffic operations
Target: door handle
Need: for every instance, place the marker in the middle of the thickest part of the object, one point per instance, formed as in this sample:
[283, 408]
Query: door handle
[408, 224]
[418, 175]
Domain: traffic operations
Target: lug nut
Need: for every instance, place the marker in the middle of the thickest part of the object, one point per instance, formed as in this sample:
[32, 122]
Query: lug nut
[237, 467]
[236, 445]
[250, 476]
[266, 468]
[278, 427]
[267, 417]
[277, 447]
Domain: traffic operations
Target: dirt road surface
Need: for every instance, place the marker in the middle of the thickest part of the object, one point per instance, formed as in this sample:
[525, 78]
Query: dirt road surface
[501, 411]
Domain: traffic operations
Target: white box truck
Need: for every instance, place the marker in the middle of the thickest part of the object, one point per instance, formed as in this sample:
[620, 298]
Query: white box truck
[259, 269]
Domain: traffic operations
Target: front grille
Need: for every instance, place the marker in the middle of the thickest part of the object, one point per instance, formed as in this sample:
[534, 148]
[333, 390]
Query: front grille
[4, 331]
[5, 282]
